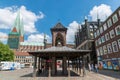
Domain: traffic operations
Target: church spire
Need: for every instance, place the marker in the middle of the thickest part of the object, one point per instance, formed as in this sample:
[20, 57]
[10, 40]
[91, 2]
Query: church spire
[17, 23]
[21, 28]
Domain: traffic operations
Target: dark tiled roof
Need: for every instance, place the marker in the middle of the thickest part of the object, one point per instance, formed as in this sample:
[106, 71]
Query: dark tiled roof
[60, 49]
[64, 48]
[58, 26]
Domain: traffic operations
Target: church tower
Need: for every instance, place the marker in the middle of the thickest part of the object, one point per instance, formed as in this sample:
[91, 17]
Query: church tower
[58, 35]
[17, 33]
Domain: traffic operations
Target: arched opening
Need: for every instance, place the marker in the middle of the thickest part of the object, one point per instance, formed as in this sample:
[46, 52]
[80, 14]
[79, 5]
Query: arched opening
[59, 40]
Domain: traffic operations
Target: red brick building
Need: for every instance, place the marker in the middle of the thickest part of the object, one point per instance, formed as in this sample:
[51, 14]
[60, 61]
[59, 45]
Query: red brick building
[107, 40]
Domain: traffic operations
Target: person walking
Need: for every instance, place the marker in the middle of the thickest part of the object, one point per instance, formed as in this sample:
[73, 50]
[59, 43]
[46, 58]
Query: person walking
[96, 68]
[89, 66]
[84, 70]
[92, 67]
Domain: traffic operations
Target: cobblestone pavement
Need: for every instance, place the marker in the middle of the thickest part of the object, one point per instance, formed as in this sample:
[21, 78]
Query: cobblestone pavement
[26, 74]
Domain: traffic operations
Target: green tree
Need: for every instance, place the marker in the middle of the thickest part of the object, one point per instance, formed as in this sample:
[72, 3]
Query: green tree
[5, 53]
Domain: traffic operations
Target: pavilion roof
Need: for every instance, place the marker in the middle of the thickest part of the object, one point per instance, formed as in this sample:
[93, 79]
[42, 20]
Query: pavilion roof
[59, 52]
[61, 49]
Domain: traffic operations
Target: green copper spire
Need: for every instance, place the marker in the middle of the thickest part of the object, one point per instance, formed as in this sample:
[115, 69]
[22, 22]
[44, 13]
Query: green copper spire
[17, 22]
[21, 28]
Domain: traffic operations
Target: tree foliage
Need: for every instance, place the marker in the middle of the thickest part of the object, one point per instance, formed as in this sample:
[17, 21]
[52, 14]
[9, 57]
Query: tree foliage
[5, 53]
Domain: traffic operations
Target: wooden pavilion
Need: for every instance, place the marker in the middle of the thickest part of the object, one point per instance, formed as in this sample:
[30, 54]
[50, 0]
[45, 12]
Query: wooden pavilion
[59, 50]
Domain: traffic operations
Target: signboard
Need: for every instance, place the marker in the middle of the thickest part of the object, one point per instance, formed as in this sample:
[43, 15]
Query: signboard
[119, 63]
[109, 64]
[115, 64]
[104, 64]
[100, 64]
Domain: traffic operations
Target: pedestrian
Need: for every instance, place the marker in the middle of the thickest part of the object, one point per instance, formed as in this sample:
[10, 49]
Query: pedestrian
[92, 67]
[96, 68]
[89, 66]
[84, 70]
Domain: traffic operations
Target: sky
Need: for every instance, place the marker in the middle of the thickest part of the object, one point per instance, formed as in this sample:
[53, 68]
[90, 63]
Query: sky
[41, 15]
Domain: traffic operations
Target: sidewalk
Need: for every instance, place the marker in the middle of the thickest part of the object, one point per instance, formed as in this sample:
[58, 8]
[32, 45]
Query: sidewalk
[110, 73]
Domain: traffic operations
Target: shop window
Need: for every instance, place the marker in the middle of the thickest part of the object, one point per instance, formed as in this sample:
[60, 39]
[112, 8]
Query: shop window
[105, 49]
[109, 48]
[104, 26]
[107, 36]
[115, 18]
[119, 43]
[109, 22]
[117, 30]
[103, 39]
[112, 34]
[114, 46]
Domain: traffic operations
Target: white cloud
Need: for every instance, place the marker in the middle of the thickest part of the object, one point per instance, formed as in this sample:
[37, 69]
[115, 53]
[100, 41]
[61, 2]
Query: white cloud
[37, 38]
[72, 28]
[102, 11]
[3, 37]
[8, 15]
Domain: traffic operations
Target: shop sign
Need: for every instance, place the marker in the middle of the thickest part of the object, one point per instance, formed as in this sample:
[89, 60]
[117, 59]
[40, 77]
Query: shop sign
[115, 64]
[109, 64]
[105, 64]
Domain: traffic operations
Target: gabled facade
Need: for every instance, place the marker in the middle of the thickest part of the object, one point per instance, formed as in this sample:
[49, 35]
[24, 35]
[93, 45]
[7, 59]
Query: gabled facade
[58, 35]
[107, 42]
[84, 39]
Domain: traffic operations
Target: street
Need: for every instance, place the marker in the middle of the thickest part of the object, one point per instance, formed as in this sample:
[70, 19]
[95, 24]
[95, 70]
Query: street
[26, 74]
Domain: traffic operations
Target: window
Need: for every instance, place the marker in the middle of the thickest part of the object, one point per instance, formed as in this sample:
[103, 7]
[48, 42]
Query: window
[115, 47]
[99, 41]
[119, 12]
[91, 35]
[101, 51]
[115, 18]
[95, 35]
[112, 34]
[101, 29]
[103, 39]
[117, 30]
[98, 33]
[96, 42]
[105, 49]
[109, 22]
[107, 36]
[104, 26]
[119, 43]
[98, 53]
[109, 48]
